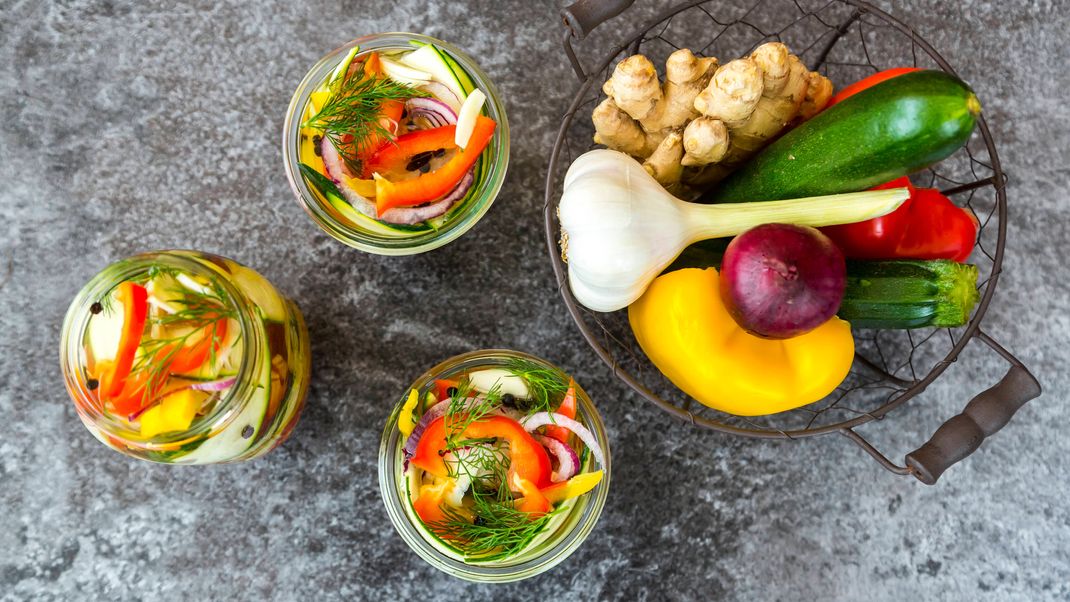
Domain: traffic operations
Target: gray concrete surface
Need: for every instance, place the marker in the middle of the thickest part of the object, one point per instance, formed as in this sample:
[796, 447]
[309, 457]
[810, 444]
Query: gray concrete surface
[128, 126]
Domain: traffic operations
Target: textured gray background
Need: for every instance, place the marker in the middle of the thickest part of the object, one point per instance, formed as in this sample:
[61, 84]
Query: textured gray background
[128, 126]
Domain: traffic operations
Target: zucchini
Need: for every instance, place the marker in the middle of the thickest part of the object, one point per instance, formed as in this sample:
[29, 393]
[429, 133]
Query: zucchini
[909, 294]
[898, 294]
[891, 130]
[329, 191]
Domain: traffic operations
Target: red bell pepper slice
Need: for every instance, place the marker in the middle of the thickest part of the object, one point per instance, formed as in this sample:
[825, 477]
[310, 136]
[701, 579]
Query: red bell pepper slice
[528, 459]
[566, 409]
[869, 82]
[533, 502]
[442, 387]
[438, 183]
[394, 157]
[927, 226]
[135, 301]
[938, 229]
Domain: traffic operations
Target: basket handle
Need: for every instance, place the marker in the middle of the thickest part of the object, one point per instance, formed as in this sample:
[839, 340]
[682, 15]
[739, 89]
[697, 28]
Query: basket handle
[581, 18]
[983, 417]
[961, 435]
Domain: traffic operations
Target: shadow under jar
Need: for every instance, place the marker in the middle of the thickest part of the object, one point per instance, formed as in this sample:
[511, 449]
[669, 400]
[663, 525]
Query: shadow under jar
[500, 392]
[330, 164]
[181, 357]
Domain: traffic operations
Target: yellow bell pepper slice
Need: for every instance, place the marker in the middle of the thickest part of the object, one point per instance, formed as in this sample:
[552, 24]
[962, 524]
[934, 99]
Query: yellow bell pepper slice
[405, 422]
[686, 331]
[174, 413]
[574, 487]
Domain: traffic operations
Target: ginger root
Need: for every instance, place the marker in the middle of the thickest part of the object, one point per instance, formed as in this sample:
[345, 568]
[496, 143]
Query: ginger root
[705, 120]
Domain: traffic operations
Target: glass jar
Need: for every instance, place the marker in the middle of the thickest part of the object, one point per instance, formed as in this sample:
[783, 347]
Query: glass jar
[254, 403]
[356, 229]
[563, 535]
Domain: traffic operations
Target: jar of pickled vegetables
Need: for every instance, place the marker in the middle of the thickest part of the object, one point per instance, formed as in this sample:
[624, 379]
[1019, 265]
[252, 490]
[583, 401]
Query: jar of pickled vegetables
[396, 143]
[494, 466]
[183, 357]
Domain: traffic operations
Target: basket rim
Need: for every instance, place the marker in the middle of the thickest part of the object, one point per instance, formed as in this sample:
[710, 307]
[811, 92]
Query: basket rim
[916, 387]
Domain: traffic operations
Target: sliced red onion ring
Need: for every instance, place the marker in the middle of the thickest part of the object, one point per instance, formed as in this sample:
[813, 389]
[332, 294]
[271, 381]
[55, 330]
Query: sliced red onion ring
[432, 413]
[567, 460]
[436, 112]
[545, 418]
[441, 92]
[215, 385]
[335, 167]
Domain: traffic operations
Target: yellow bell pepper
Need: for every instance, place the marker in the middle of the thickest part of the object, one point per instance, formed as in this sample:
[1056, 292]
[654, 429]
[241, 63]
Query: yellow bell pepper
[405, 422]
[686, 331]
[574, 487]
[174, 413]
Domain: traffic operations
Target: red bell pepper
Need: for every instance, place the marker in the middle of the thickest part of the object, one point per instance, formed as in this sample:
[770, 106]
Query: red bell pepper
[869, 82]
[566, 409]
[394, 157]
[533, 502]
[442, 387]
[927, 226]
[135, 301]
[528, 459]
[438, 183]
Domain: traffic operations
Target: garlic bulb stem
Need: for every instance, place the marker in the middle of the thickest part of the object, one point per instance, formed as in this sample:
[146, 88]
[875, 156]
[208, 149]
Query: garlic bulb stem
[703, 222]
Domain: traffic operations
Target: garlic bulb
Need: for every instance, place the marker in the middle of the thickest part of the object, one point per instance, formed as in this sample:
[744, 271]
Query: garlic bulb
[620, 228]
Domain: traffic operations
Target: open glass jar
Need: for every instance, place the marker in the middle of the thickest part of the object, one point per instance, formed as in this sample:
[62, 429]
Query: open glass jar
[331, 169]
[481, 418]
[183, 357]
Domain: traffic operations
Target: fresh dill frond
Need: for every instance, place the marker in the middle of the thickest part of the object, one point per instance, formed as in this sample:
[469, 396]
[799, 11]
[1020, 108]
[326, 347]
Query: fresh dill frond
[354, 109]
[464, 410]
[546, 386]
[498, 531]
[197, 312]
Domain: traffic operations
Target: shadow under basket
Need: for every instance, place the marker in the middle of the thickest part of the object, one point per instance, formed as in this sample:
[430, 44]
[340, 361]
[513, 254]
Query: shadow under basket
[846, 40]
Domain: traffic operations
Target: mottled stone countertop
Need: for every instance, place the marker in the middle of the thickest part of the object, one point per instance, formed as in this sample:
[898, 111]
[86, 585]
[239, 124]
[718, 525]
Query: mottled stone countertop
[128, 126]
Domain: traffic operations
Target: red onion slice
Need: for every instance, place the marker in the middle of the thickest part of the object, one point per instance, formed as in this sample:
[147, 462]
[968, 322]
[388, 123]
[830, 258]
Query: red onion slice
[546, 418]
[436, 112]
[215, 385]
[567, 460]
[441, 92]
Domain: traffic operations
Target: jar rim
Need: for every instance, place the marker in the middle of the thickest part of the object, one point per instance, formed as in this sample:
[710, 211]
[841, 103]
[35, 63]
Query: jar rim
[557, 549]
[353, 235]
[77, 321]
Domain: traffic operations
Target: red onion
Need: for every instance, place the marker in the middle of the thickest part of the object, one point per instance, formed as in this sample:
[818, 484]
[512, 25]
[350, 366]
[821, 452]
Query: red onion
[443, 93]
[215, 385]
[435, 411]
[567, 460]
[546, 418]
[434, 111]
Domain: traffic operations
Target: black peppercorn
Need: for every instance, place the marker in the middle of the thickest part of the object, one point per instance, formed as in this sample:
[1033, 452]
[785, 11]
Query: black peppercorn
[96, 308]
[479, 522]
[509, 400]
[92, 384]
[451, 392]
[316, 140]
[247, 432]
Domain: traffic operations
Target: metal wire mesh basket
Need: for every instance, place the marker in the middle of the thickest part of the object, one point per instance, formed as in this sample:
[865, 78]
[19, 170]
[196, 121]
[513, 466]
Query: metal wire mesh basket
[846, 40]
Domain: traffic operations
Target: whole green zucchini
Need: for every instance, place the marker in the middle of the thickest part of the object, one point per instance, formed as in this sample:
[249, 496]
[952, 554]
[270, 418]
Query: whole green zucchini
[897, 294]
[909, 293]
[892, 129]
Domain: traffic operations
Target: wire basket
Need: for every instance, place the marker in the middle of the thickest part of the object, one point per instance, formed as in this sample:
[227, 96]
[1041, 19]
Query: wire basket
[846, 40]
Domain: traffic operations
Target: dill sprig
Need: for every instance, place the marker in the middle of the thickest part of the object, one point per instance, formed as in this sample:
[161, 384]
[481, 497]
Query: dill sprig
[198, 312]
[354, 109]
[464, 410]
[498, 531]
[546, 386]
